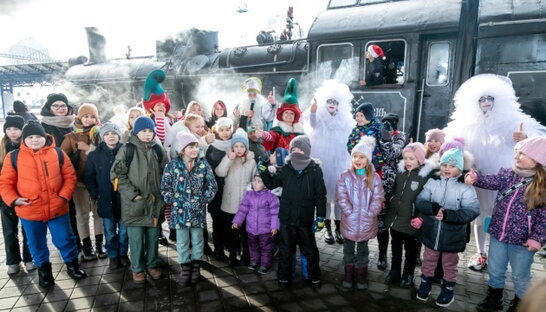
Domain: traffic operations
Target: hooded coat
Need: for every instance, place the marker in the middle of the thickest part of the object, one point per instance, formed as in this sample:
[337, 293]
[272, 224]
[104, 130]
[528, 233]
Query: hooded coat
[237, 173]
[260, 209]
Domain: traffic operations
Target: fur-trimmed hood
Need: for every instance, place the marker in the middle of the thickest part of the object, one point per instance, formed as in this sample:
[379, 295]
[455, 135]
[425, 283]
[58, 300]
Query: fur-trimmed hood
[425, 169]
[295, 128]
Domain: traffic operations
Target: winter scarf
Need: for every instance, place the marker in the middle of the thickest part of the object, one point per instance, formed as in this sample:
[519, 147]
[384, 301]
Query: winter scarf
[524, 173]
[299, 161]
[59, 121]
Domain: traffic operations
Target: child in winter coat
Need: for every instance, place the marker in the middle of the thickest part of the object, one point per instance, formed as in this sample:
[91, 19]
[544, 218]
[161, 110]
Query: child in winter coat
[132, 114]
[303, 194]
[223, 130]
[196, 126]
[157, 104]
[38, 182]
[260, 210]
[188, 185]
[141, 203]
[413, 173]
[518, 223]
[237, 169]
[218, 111]
[434, 138]
[359, 194]
[105, 194]
[77, 145]
[13, 126]
[447, 206]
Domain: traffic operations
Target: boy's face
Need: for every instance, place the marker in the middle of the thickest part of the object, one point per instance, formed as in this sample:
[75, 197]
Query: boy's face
[433, 145]
[239, 149]
[88, 120]
[449, 171]
[218, 111]
[296, 150]
[35, 142]
[191, 151]
[224, 133]
[288, 116]
[132, 116]
[523, 161]
[197, 127]
[359, 161]
[160, 108]
[410, 161]
[257, 184]
[145, 135]
[14, 134]
[361, 119]
[111, 138]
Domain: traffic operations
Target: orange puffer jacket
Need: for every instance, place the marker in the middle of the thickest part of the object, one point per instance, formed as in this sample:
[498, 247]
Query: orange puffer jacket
[39, 178]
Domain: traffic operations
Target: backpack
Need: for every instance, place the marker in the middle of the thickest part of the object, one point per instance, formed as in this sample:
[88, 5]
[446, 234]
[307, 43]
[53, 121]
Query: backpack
[130, 153]
[13, 156]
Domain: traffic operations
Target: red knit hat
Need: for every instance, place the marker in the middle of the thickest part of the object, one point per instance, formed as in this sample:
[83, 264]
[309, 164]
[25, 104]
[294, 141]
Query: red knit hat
[376, 51]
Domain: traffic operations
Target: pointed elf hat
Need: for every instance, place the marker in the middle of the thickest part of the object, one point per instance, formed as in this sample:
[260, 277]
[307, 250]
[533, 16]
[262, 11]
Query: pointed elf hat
[290, 101]
[153, 92]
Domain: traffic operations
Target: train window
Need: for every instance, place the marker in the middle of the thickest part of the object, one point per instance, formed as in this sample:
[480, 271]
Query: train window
[337, 61]
[438, 64]
[341, 3]
[391, 70]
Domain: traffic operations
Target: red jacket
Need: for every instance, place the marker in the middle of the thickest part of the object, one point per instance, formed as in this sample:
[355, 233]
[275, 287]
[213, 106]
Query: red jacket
[40, 179]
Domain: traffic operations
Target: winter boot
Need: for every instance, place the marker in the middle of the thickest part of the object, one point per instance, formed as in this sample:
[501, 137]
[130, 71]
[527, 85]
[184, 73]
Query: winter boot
[349, 276]
[407, 281]
[185, 274]
[445, 298]
[337, 233]
[328, 237]
[45, 275]
[74, 271]
[87, 250]
[513, 306]
[99, 246]
[172, 235]
[114, 263]
[424, 288]
[195, 271]
[362, 278]
[382, 263]
[392, 277]
[493, 300]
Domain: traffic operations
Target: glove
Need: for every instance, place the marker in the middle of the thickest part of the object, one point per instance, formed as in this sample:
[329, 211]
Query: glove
[262, 165]
[386, 131]
[416, 223]
[318, 224]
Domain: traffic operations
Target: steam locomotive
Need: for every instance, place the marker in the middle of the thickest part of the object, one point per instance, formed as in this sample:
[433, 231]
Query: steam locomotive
[431, 47]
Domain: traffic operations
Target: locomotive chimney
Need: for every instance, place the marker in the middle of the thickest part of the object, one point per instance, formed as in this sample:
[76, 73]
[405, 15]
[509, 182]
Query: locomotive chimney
[96, 43]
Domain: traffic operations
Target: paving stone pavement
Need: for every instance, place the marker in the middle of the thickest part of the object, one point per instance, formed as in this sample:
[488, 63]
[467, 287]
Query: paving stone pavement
[230, 289]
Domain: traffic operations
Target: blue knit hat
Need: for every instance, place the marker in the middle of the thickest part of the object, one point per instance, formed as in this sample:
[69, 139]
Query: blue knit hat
[143, 122]
[240, 136]
[453, 157]
[367, 110]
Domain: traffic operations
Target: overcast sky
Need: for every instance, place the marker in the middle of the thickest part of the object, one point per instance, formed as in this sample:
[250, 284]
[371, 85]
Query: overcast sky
[59, 24]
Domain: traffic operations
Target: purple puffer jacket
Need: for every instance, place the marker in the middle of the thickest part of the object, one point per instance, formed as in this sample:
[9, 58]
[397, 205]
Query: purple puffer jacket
[261, 211]
[511, 223]
[359, 205]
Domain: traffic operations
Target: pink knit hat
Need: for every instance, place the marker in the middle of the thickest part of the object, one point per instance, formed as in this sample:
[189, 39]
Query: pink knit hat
[417, 149]
[184, 139]
[535, 148]
[435, 134]
[456, 142]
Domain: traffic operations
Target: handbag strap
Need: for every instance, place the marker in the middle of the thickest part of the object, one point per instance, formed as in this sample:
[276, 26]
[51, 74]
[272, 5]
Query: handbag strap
[512, 189]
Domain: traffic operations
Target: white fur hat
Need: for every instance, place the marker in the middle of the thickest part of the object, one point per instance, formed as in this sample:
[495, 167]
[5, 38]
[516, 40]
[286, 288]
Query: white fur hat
[365, 146]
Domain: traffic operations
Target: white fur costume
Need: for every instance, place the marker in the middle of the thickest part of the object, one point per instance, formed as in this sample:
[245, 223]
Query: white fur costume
[328, 133]
[489, 136]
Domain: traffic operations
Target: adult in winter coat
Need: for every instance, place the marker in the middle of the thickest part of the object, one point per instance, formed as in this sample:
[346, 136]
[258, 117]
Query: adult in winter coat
[375, 68]
[39, 186]
[326, 121]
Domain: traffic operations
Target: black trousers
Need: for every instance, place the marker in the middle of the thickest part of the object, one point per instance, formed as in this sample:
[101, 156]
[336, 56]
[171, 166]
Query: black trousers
[289, 237]
[10, 227]
[73, 222]
[218, 236]
[409, 243]
[236, 239]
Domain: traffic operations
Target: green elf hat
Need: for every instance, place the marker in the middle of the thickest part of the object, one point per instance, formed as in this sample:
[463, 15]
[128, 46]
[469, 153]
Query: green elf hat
[290, 101]
[153, 92]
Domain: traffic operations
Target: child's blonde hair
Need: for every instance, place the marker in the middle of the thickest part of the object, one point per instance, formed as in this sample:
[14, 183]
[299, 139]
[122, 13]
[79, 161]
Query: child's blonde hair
[133, 109]
[3, 150]
[369, 173]
[191, 118]
[190, 105]
[535, 194]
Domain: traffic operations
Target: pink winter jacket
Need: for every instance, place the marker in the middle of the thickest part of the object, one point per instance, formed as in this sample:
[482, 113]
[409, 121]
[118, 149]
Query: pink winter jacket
[359, 205]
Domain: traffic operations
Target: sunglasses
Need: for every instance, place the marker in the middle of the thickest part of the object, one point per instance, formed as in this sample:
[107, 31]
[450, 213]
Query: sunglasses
[486, 99]
[332, 102]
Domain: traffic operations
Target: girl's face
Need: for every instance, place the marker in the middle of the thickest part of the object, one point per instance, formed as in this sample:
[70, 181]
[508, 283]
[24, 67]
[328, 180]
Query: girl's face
[160, 108]
[145, 135]
[449, 171]
[257, 184]
[132, 116]
[196, 109]
[433, 145]
[110, 138]
[288, 116]
[14, 134]
[59, 108]
[239, 149]
[218, 111]
[197, 127]
[361, 119]
[410, 161]
[359, 161]
[523, 161]
[88, 120]
[224, 133]
[35, 142]
[191, 151]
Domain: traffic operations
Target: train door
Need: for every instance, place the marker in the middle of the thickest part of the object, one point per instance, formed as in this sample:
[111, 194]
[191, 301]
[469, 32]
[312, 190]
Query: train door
[435, 84]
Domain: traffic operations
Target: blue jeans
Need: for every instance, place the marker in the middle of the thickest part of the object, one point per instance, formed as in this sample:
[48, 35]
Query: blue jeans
[117, 241]
[183, 244]
[520, 260]
[61, 235]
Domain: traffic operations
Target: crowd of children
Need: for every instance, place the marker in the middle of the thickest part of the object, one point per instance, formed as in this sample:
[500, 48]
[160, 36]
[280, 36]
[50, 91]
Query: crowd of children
[259, 184]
